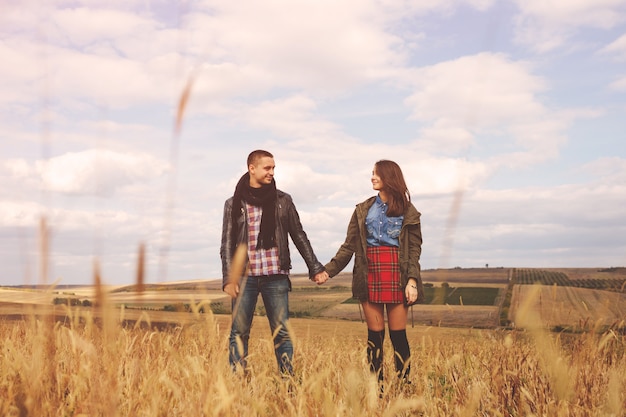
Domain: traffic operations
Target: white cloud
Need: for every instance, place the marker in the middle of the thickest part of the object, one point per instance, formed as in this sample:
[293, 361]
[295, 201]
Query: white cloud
[279, 43]
[443, 137]
[442, 176]
[90, 172]
[596, 13]
[610, 170]
[524, 225]
[82, 26]
[489, 97]
[283, 38]
[619, 84]
[69, 75]
[479, 91]
[105, 56]
[116, 82]
[306, 185]
[481, 4]
[18, 168]
[216, 82]
[20, 214]
[17, 79]
[617, 48]
[546, 25]
[290, 117]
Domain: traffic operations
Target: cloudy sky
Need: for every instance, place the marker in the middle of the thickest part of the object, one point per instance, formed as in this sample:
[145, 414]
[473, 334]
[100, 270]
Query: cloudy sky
[507, 118]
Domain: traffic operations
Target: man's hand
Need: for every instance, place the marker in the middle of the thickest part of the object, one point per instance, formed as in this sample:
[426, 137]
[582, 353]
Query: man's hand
[232, 290]
[321, 277]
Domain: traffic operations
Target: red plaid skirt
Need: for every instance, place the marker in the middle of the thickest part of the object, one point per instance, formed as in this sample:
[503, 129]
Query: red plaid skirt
[383, 275]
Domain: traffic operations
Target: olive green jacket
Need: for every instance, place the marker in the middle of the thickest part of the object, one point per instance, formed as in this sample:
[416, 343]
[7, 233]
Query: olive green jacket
[356, 244]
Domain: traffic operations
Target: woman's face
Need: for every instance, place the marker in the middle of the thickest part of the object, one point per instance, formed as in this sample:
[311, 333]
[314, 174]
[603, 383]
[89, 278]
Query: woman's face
[377, 183]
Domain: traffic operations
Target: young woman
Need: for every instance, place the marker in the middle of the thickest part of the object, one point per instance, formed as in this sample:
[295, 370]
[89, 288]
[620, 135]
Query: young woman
[385, 237]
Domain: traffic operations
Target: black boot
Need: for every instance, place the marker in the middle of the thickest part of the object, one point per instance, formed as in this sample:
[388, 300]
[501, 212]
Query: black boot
[402, 353]
[375, 341]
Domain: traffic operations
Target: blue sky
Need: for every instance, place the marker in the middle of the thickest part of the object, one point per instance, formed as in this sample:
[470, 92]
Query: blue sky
[507, 118]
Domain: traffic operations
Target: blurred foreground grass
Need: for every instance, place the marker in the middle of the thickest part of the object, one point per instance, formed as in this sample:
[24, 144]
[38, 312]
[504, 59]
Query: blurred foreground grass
[84, 368]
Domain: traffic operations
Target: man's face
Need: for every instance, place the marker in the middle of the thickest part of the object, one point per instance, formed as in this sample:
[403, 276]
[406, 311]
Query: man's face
[262, 173]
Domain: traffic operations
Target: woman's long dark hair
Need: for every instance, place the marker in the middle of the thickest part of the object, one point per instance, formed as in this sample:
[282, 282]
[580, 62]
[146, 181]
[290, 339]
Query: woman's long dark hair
[398, 196]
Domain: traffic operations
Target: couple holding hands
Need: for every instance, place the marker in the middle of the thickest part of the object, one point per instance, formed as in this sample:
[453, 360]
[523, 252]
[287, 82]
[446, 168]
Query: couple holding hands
[384, 236]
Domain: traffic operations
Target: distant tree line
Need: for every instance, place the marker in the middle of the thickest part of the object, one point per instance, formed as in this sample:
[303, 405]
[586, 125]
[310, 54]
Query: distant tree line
[71, 302]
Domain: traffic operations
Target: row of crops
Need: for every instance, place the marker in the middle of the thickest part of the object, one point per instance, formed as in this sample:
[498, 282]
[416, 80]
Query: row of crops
[543, 277]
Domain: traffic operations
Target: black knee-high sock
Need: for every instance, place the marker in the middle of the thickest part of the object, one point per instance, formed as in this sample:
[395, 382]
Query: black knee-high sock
[401, 352]
[375, 341]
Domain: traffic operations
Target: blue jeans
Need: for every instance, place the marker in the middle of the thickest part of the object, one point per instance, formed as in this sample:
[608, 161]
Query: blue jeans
[274, 290]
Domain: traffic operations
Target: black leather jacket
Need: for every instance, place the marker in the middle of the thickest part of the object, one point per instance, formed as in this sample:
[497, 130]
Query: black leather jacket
[287, 222]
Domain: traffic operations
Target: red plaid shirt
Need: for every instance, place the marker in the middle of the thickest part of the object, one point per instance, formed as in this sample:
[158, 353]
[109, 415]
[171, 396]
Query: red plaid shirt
[260, 261]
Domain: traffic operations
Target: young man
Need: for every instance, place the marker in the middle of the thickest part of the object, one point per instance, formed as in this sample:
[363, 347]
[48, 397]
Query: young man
[260, 217]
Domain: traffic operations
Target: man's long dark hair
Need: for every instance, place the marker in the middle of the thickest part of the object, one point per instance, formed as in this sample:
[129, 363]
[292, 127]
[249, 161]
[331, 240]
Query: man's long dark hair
[398, 196]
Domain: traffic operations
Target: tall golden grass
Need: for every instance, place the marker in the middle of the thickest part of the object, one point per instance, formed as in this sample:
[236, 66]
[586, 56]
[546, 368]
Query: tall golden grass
[84, 368]
[91, 364]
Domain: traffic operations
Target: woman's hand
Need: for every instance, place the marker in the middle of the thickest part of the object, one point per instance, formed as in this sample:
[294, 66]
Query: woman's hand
[320, 277]
[410, 291]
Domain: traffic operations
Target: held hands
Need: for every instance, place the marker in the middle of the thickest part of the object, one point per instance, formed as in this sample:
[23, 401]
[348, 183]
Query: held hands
[320, 277]
[411, 291]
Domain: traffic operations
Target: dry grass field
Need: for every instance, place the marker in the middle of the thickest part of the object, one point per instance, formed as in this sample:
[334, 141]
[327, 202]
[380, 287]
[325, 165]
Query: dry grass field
[110, 360]
[571, 307]
[85, 369]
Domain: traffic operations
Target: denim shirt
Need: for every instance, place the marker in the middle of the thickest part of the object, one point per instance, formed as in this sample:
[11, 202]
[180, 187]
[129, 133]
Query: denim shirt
[382, 230]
